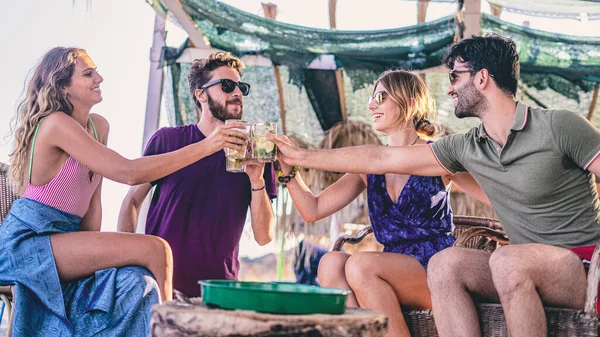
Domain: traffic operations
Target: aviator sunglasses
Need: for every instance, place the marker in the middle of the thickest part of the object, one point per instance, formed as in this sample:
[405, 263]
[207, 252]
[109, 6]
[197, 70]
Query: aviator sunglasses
[377, 97]
[453, 75]
[228, 86]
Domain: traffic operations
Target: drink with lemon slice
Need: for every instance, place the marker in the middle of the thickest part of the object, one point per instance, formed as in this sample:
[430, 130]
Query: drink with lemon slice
[263, 150]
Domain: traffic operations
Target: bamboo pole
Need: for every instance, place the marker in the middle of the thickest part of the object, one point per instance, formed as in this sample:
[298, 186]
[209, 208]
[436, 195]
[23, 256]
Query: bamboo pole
[594, 100]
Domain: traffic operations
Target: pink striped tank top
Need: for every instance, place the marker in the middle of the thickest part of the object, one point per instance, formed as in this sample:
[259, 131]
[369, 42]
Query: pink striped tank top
[70, 190]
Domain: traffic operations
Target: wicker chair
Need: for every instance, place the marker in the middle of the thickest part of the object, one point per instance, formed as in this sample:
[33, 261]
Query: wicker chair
[7, 196]
[487, 234]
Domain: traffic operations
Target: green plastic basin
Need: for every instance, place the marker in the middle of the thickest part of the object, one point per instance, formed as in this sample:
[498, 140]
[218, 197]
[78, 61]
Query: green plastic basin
[273, 297]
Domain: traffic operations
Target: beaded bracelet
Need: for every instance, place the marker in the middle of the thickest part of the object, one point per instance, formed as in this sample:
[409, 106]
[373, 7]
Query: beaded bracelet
[286, 179]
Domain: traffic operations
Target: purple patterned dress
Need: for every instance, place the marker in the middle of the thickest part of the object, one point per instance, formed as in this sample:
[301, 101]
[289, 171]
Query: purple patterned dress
[419, 224]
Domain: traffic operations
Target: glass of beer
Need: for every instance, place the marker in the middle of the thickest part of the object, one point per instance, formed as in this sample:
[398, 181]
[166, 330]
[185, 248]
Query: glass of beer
[263, 150]
[234, 158]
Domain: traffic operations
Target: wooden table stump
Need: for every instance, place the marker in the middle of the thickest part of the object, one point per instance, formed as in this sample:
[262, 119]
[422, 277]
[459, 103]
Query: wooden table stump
[172, 319]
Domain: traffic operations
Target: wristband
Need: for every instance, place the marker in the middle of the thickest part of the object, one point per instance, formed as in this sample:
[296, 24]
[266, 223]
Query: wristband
[286, 179]
[258, 189]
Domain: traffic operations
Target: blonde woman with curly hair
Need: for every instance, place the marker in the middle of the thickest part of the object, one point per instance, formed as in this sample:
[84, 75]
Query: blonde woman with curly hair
[70, 278]
[410, 215]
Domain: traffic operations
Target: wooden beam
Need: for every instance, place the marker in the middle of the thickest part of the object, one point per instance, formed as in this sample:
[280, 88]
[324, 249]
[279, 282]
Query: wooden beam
[496, 10]
[422, 10]
[155, 81]
[270, 11]
[339, 78]
[332, 11]
[281, 98]
[324, 62]
[472, 18]
[421, 15]
[186, 22]
[594, 100]
[339, 73]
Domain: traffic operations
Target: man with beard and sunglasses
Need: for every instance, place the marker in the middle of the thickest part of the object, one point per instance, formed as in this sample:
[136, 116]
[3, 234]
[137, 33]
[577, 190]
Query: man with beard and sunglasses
[537, 168]
[201, 209]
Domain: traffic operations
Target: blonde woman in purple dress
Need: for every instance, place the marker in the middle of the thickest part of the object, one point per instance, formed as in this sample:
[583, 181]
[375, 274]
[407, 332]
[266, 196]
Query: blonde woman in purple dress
[410, 215]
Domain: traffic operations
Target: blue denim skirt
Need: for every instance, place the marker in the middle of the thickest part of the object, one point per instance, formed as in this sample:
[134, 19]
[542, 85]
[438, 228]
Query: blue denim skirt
[111, 302]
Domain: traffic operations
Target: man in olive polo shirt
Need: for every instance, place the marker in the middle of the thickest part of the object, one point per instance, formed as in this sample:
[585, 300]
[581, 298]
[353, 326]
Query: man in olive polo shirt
[536, 168]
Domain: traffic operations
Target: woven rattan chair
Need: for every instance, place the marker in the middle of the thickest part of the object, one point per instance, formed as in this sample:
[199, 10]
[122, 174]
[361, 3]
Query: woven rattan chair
[8, 194]
[487, 234]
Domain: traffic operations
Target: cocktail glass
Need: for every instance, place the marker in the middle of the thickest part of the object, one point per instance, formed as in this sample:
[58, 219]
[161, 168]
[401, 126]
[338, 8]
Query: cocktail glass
[263, 150]
[233, 157]
[234, 165]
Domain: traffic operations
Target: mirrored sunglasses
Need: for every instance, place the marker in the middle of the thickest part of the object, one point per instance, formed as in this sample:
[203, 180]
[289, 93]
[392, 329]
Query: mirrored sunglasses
[377, 97]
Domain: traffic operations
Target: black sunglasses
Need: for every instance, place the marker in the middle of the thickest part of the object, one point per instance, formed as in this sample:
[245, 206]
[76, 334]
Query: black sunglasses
[228, 86]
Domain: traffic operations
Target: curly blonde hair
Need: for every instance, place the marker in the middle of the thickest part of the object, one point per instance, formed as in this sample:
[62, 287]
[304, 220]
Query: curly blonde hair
[414, 99]
[43, 95]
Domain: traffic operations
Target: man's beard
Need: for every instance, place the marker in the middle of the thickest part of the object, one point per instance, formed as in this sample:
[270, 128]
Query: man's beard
[219, 111]
[471, 103]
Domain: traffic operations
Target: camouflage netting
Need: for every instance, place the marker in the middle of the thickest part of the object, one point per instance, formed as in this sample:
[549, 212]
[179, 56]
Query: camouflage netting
[557, 9]
[551, 64]
[558, 71]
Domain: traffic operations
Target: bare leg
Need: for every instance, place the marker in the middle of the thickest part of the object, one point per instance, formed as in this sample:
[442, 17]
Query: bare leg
[386, 282]
[455, 275]
[332, 274]
[525, 275]
[80, 254]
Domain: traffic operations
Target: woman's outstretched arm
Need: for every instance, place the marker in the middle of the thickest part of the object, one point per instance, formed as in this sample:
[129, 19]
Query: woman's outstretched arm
[65, 133]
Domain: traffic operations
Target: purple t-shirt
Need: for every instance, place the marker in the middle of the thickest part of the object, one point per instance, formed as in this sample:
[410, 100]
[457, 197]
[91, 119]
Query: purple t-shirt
[200, 210]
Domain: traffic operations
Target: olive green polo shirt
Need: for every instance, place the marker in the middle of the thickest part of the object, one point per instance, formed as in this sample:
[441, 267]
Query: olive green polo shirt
[537, 183]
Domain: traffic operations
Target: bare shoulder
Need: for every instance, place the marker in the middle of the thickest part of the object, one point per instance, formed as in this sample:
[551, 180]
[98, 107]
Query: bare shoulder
[100, 122]
[102, 126]
[57, 121]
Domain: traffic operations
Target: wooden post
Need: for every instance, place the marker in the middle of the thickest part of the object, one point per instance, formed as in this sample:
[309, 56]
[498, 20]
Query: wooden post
[594, 100]
[422, 10]
[281, 98]
[472, 18]
[197, 39]
[496, 10]
[332, 10]
[270, 11]
[421, 15]
[339, 73]
[155, 81]
[339, 78]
